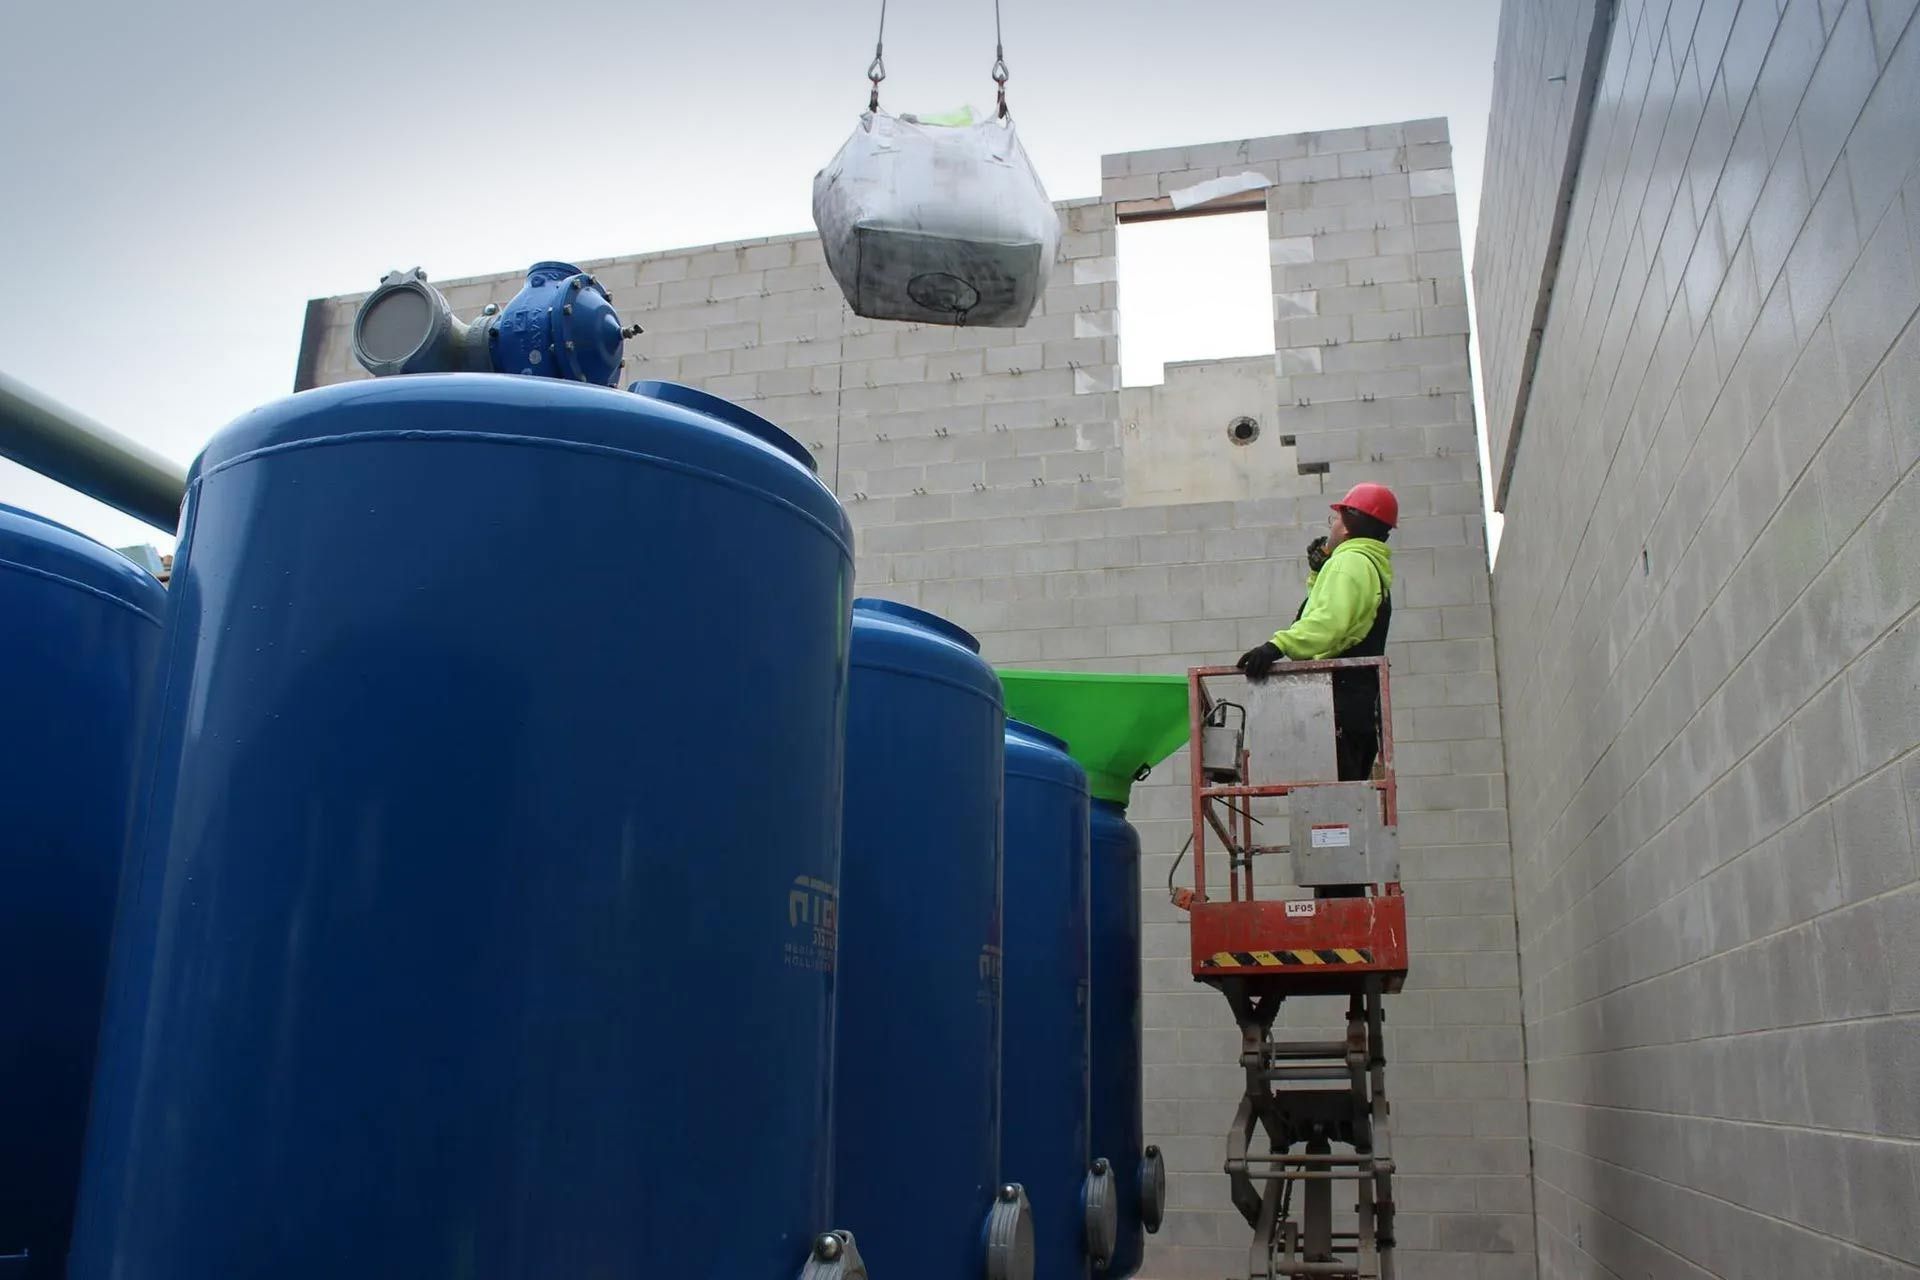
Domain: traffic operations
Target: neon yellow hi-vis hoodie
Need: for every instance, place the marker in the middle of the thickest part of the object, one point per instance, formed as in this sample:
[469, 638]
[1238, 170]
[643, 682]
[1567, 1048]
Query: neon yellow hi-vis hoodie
[1341, 601]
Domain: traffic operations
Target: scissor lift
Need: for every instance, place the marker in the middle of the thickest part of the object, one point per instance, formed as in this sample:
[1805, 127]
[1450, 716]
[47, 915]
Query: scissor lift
[1343, 933]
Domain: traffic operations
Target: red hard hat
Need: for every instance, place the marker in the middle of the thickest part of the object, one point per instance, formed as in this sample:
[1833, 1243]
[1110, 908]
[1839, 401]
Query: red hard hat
[1374, 500]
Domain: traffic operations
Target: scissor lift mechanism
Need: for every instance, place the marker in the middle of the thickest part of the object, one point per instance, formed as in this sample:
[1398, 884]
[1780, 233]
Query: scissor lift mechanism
[1259, 952]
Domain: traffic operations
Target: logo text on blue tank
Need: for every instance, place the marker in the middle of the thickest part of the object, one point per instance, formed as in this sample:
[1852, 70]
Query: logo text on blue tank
[813, 921]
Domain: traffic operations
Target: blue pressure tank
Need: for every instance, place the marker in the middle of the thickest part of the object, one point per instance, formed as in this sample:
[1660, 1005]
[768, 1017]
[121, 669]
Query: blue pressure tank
[1116, 1124]
[77, 652]
[919, 973]
[1044, 1138]
[486, 905]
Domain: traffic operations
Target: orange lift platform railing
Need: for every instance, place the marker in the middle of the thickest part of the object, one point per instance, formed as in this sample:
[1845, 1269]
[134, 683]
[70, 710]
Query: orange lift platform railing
[1332, 923]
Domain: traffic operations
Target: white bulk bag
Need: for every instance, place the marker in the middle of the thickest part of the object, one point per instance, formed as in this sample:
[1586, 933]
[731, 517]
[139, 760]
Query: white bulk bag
[940, 224]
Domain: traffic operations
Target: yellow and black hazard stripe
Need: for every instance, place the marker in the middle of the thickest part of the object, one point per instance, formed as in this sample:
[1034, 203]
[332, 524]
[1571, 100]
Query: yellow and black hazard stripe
[1283, 959]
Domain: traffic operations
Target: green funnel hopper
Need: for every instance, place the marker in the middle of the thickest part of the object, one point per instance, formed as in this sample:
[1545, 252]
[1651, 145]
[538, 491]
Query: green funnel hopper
[1114, 725]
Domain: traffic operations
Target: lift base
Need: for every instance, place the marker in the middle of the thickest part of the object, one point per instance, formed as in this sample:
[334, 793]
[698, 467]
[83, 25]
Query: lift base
[1311, 1095]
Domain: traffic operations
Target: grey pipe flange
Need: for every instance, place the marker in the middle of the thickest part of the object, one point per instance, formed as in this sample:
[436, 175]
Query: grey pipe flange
[1010, 1247]
[1153, 1189]
[406, 326]
[834, 1258]
[1103, 1212]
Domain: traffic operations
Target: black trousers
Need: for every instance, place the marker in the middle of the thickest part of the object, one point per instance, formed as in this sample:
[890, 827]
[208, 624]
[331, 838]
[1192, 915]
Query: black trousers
[1356, 720]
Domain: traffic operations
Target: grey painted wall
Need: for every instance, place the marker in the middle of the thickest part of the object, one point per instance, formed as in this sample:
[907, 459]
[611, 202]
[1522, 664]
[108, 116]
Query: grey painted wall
[1708, 653]
[985, 470]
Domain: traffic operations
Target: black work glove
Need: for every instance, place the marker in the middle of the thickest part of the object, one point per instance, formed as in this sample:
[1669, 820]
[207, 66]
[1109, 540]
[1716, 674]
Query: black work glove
[1317, 553]
[1258, 662]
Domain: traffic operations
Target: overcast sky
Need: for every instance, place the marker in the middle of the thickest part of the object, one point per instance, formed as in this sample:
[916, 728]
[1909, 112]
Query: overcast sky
[181, 178]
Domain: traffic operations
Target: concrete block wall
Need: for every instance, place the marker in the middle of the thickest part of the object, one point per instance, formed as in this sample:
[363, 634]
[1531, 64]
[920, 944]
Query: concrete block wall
[986, 471]
[1547, 68]
[1709, 655]
[1189, 437]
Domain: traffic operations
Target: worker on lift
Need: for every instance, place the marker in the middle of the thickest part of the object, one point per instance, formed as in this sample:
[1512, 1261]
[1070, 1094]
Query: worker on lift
[1348, 608]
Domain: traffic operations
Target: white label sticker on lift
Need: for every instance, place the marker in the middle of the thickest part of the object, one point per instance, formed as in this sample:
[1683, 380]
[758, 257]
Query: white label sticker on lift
[1332, 837]
[1300, 907]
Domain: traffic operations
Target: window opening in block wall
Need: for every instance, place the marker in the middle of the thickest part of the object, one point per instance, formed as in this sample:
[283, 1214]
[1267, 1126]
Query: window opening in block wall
[1193, 288]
